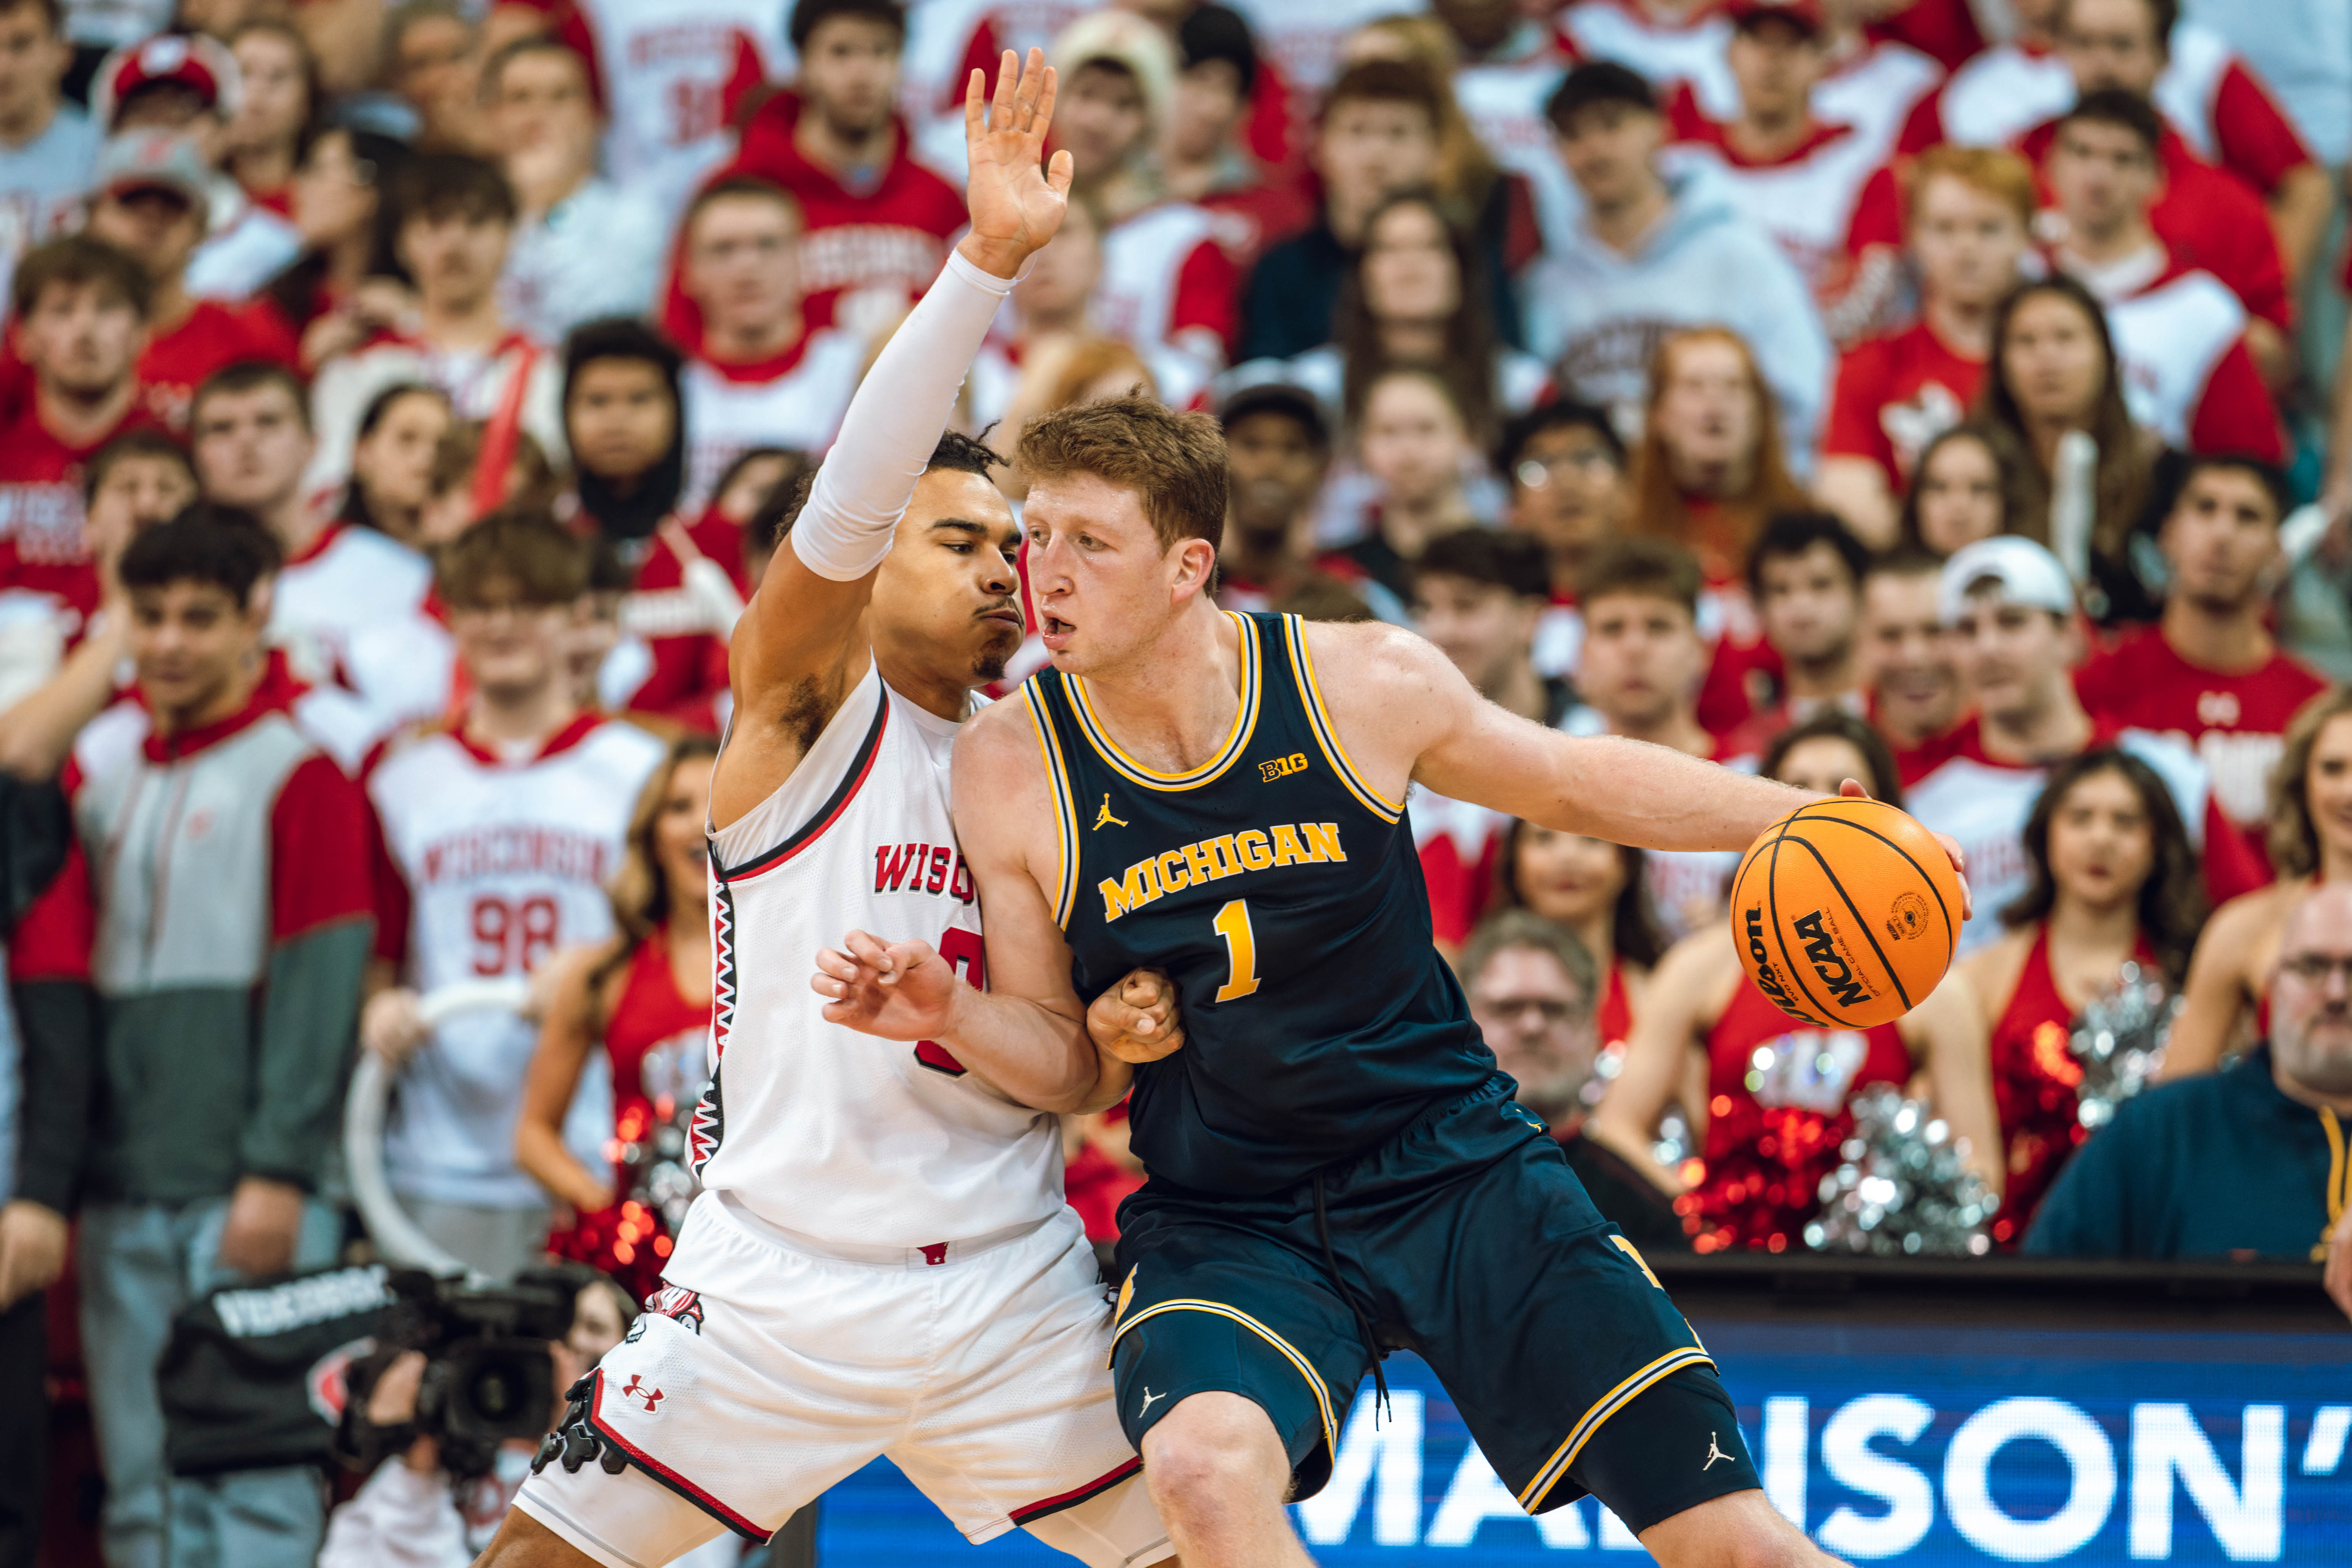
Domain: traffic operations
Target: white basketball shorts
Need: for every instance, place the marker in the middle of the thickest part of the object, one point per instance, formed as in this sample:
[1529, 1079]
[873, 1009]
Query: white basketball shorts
[979, 1369]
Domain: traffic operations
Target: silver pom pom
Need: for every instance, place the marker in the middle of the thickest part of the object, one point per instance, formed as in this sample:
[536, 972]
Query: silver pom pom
[1901, 1188]
[2119, 1040]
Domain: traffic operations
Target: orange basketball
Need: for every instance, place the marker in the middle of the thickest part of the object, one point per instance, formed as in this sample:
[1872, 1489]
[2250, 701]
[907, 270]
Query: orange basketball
[1845, 913]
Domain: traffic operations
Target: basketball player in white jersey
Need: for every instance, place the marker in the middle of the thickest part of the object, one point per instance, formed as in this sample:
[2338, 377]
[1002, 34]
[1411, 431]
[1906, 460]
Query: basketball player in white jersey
[881, 1262]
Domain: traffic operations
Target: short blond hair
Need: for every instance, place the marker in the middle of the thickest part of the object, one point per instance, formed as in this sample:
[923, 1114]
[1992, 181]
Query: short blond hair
[1173, 461]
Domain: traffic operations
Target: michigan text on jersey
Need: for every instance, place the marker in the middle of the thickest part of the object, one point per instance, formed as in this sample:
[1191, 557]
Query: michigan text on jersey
[1228, 855]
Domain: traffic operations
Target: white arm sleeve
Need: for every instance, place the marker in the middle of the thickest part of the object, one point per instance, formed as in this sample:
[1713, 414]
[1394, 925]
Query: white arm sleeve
[893, 423]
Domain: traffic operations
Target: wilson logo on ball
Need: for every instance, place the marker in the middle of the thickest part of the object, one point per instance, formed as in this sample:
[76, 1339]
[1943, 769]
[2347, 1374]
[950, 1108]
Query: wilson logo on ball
[1767, 978]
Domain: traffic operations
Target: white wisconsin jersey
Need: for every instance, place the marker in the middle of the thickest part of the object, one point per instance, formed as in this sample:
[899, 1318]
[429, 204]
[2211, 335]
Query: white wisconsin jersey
[504, 862]
[2003, 93]
[815, 1128]
[1143, 260]
[1983, 805]
[2168, 341]
[1693, 52]
[667, 65]
[801, 408]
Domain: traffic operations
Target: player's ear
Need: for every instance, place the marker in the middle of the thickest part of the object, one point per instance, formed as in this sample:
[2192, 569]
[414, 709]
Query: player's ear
[1194, 559]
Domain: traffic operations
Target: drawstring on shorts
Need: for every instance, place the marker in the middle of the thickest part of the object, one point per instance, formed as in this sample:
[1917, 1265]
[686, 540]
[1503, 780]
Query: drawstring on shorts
[1364, 1321]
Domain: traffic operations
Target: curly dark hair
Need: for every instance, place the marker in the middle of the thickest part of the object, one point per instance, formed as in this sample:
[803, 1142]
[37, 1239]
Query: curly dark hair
[956, 453]
[2173, 899]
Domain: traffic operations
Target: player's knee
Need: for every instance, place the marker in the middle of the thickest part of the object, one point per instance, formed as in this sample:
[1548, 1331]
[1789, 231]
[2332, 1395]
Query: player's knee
[1214, 1452]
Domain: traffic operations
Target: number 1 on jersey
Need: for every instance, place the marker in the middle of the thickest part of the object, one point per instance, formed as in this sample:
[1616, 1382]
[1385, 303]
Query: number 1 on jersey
[1241, 950]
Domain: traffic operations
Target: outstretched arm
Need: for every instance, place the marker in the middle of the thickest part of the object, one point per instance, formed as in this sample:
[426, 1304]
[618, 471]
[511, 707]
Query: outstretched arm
[799, 649]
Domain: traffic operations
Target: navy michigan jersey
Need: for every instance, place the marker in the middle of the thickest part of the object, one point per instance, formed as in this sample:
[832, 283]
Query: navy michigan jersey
[1281, 893]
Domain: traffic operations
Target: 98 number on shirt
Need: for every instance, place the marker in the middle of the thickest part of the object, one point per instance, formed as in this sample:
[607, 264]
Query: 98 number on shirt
[510, 936]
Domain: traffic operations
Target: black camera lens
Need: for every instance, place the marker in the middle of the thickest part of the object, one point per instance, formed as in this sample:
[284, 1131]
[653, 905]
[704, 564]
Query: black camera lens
[496, 1393]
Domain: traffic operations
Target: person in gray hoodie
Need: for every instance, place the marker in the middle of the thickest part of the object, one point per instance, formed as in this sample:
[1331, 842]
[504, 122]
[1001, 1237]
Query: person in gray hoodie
[1654, 252]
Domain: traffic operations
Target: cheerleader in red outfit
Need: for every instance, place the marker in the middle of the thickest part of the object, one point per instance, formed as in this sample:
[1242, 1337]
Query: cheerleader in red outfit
[1597, 891]
[2115, 882]
[1778, 1090]
[645, 994]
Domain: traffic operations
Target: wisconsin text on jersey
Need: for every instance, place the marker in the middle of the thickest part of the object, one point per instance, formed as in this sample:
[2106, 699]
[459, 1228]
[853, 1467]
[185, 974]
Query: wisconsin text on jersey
[1212, 859]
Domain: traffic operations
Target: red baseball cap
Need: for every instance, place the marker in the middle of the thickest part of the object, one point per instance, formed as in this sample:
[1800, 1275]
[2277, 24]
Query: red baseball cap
[195, 62]
[1804, 13]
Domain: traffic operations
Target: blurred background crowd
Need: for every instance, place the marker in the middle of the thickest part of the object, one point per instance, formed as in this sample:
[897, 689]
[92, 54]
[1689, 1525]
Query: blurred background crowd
[398, 403]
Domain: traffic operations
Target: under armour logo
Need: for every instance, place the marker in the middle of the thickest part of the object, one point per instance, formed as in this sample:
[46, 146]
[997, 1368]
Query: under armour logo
[1714, 1452]
[636, 1390]
[1148, 1398]
[1104, 817]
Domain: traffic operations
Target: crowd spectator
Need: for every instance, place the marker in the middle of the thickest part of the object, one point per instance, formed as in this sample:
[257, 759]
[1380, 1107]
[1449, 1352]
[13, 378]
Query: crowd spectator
[1532, 988]
[81, 311]
[1709, 468]
[1776, 1096]
[2227, 996]
[218, 1086]
[1906, 665]
[2210, 673]
[644, 997]
[152, 201]
[1413, 442]
[48, 146]
[1969, 484]
[760, 369]
[1969, 214]
[1639, 677]
[1476, 593]
[2010, 610]
[1565, 469]
[453, 225]
[875, 222]
[344, 285]
[2237, 1163]
[622, 422]
[1789, 173]
[276, 108]
[433, 52]
[1657, 252]
[2055, 376]
[522, 763]
[1377, 135]
[1278, 450]
[1414, 295]
[1805, 575]
[1202, 152]
[1600, 892]
[2113, 881]
[347, 609]
[392, 460]
[584, 245]
[2180, 334]
[670, 78]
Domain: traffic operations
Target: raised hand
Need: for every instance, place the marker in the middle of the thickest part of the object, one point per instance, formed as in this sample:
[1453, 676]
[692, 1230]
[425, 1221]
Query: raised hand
[899, 991]
[1136, 1020]
[1015, 199]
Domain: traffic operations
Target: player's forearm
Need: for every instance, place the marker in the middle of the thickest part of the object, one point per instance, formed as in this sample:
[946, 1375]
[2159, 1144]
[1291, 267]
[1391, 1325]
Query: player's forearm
[1113, 1079]
[1039, 1056]
[1654, 798]
[893, 423]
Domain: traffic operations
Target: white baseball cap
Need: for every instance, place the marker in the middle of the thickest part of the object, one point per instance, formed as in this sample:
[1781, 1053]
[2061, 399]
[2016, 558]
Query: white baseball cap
[2023, 572]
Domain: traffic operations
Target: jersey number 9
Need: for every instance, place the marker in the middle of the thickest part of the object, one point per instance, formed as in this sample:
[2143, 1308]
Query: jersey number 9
[510, 937]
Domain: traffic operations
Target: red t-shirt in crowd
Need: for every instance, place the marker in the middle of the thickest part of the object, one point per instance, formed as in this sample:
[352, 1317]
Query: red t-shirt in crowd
[2234, 720]
[1945, 30]
[42, 551]
[688, 667]
[894, 236]
[177, 361]
[1895, 395]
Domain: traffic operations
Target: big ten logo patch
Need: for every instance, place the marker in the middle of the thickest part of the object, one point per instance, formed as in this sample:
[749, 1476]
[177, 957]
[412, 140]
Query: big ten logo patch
[1282, 767]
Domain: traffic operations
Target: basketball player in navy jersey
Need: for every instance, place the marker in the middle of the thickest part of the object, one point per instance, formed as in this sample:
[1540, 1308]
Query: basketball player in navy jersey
[1337, 1166]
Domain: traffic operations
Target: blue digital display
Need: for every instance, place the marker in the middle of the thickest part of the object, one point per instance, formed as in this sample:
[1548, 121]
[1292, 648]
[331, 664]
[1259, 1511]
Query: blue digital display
[1894, 1444]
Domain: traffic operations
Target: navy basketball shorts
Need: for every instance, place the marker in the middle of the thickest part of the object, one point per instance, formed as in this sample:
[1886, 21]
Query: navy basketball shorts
[1466, 1239]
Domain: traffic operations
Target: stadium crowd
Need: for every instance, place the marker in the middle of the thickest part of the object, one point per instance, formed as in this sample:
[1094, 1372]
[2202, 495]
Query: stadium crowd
[398, 403]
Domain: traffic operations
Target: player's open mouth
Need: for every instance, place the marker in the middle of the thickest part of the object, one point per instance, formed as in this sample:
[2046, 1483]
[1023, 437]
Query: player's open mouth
[1055, 631]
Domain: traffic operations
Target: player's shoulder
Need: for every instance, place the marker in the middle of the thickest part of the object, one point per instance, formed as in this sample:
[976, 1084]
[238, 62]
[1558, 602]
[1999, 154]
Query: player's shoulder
[1369, 655]
[999, 739]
